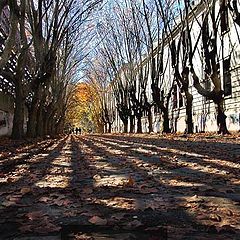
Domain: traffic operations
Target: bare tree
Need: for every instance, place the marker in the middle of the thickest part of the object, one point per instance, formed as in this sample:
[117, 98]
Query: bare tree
[10, 41]
[209, 32]
[233, 6]
[158, 57]
[108, 113]
[17, 47]
[50, 22]
[125, 50]
[113, 50]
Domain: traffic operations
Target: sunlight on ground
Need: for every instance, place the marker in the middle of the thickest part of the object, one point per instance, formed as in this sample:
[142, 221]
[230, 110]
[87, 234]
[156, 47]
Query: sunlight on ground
[59, 173]
[191, 165]
[53, 182]
[111, 180]
[138, 147]
[16, 175]
[119, 203]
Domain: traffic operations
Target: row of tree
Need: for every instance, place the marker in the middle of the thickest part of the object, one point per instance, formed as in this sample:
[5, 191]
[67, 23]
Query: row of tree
[148, 41]
[44, 44]
[85, 109]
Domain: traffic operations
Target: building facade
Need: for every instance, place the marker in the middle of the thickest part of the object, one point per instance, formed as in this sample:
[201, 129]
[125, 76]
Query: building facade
[203, 110]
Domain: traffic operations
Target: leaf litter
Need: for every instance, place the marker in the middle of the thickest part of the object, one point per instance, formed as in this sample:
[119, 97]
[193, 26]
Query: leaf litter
[172, 181]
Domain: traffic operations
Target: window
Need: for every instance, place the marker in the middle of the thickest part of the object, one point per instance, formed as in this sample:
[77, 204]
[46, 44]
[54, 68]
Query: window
[224, 16]
[227, 85]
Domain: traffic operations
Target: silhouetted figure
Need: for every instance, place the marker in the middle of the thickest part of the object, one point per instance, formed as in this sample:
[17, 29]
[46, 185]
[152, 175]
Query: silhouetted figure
[80, 131]
[76, 130]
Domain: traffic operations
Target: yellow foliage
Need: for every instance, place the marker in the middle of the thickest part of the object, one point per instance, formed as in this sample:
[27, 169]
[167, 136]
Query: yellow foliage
[84, 108]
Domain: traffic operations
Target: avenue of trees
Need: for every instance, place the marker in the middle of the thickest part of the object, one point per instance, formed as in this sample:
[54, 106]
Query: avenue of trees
[43, 44]
[152, 46]
[138, 55]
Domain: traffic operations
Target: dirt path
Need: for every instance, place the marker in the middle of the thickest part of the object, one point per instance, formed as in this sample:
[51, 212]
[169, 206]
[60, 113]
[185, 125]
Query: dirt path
[140, 187]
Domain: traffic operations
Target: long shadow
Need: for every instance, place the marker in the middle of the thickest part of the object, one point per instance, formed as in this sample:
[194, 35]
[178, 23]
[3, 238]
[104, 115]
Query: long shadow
[8, 164]
[80, 166]
[80, 157]
[199, 147]
[129, 154]
[201, 159]
[174, 215]
[29, 201]
[184, 190]
[163, 217]
[195, 175]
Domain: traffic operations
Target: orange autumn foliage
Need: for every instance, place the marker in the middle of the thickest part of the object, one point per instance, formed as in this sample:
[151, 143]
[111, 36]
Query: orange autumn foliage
[84, 108]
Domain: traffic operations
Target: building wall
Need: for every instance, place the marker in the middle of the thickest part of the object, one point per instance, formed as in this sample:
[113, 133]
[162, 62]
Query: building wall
[204, 112]
[6, 114]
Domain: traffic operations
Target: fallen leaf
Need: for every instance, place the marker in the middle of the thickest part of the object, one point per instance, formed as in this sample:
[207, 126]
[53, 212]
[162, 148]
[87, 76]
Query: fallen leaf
[118, 216]
[10, 180]
[8, 203]
[87, 190]
[25, 228]
[149, 190]
[130, 182]
[195, 198]
[87, 214]
[215, 217]
[25, 190]
[61, 202]
[97, 220]
[35, 215]
[44, 199]
[134, 224]
[49, 227]
[97, 177]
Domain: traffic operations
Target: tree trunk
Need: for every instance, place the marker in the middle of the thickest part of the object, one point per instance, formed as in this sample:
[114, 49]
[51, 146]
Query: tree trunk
[132, 124]
[150, 121]
[109, 127]
[50, 124]
[53, 127]
[60, 126]
[48, 117]
[221, 119]
[139, 124]
[166, 128]
[32, 123]
[189, 118]
[45, 123]
[18, 119]
[105, 128]
[32, 117]
[40, 122]
[125, 129]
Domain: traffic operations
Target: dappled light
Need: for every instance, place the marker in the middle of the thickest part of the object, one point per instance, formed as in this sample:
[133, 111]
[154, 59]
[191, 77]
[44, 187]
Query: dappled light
[119, 120]
[108, 180]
